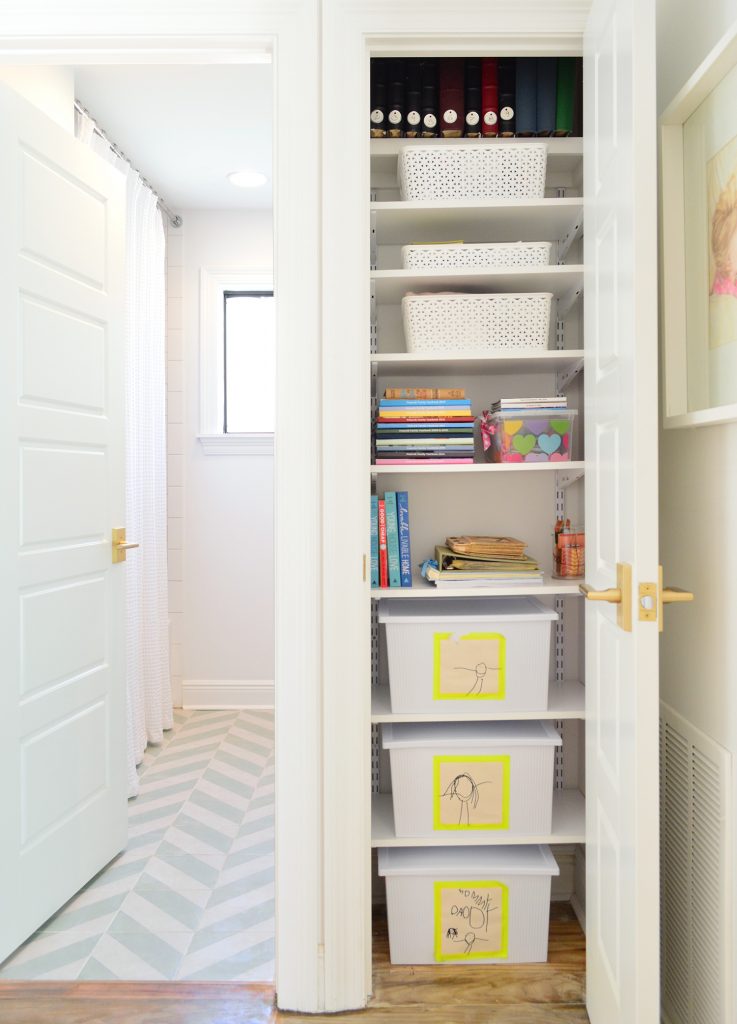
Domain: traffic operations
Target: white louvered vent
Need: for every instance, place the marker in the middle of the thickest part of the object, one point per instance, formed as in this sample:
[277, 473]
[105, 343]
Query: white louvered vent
[695, 855]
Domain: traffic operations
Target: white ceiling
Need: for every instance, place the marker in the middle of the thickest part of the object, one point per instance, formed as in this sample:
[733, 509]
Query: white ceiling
[185, 127]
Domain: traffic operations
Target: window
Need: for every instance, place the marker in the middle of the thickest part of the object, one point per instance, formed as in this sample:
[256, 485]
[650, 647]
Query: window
[249, 362]
[237, 362]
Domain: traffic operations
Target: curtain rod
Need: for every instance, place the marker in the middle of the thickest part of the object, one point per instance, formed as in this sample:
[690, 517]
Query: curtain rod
[174, 218]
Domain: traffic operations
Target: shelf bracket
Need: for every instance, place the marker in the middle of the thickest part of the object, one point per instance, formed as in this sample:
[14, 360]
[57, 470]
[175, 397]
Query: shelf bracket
[564, 244]
[564, 478]
[566, 302]
[562, 380]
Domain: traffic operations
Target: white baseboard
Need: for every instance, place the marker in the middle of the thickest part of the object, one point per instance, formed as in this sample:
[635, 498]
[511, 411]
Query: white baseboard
[205, 694]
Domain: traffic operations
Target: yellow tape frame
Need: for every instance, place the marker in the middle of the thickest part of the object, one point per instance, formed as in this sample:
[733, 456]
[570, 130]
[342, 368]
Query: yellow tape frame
[440, 759]
[502, 670]
[502, 953]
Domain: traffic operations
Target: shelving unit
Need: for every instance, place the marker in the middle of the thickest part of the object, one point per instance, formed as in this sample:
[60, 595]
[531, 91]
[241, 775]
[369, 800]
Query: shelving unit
[569, 826]
[514, 499]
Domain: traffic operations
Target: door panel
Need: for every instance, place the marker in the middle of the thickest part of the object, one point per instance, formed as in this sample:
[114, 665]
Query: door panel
[621, 515]
[62, 705]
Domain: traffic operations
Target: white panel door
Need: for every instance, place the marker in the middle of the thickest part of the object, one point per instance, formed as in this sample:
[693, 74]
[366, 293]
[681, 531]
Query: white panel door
[62, 697]
[621, 513]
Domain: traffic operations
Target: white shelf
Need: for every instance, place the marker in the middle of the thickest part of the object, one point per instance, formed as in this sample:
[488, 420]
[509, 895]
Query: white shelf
[476, 220]
[484, 467]
[422, 589]
[391, 285]
[567, 700]
[421, 365]
[569, 826]
[564, 154]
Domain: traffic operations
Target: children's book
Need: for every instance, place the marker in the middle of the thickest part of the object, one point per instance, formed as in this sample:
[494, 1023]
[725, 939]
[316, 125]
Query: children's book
[392, 538]
[405, 557]
[374, 540]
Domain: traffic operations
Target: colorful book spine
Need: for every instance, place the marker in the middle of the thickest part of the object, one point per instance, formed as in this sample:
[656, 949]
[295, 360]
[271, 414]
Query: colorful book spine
[405, 557]
[565, 95]
[546, 76]
[429, 125]
[451, 97]
[383, 558]
[414, 403]
[473, 98]
[392, 538]
[425, 393]
[489, 97]
[526, 93]
[413, 99]
[506, 78]
[378, 99]
[374, 540]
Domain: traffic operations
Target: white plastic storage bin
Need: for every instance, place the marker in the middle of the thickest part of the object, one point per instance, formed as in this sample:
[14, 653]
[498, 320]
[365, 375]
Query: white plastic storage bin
[454, 778]
[468, 905]
[459, 323]
[461, 655]
[491, 171]
[479, 254]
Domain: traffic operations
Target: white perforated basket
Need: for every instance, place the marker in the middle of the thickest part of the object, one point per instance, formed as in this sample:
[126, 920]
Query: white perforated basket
[492, 171]
[482, 254]
[476, 323]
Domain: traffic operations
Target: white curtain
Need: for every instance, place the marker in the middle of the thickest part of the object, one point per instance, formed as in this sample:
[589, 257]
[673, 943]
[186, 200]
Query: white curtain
[148, 688]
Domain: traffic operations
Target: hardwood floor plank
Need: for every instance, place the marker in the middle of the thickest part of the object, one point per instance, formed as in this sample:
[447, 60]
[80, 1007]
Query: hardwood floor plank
[549, 993]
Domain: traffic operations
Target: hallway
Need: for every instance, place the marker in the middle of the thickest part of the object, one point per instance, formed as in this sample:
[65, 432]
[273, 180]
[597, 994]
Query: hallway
[192, 896]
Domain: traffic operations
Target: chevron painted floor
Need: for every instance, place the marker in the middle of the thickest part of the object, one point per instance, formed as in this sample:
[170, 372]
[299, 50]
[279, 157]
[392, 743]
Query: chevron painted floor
[192, 896]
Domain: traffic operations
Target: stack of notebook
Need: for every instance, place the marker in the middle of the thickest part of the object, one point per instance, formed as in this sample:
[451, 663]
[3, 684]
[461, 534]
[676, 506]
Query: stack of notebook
[424, 426]
[481, 562]
[559, 403]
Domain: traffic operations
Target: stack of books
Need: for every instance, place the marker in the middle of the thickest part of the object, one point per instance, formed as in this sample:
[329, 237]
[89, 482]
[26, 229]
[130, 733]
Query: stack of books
[481, 562]
[424, 426]
[391, 561]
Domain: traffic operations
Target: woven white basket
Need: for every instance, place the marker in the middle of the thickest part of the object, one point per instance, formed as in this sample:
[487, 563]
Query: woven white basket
[492, 171]
[456, 323]
[486, 254]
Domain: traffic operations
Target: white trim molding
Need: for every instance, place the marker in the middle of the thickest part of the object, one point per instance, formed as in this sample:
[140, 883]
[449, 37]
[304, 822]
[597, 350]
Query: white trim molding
[206, 694]
[237, 444]
[214, 282]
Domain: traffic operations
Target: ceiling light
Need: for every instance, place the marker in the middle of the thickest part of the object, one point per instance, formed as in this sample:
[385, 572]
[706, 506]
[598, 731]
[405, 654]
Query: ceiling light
[247, 179]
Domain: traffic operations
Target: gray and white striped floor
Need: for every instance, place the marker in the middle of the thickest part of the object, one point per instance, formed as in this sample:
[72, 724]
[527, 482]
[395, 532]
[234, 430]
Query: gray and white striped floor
[192, 896]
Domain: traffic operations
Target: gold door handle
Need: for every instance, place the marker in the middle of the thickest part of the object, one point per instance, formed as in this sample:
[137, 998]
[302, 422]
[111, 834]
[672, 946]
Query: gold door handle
[674, 595]
[121, 545]
[613, 595]
[621, 595]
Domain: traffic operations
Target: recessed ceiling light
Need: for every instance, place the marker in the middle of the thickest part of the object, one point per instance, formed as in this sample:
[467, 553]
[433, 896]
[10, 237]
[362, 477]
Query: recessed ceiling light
[247, 179]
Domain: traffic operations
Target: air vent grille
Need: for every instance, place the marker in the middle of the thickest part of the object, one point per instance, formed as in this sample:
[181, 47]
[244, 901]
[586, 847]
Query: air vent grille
[694, 779]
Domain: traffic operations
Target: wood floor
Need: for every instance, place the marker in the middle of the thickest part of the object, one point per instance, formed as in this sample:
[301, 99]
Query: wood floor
[551, 993]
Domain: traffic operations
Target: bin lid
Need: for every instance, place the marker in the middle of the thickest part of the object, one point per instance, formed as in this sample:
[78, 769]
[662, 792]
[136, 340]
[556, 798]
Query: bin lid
[457, 735]
[497, 609]
[477, 862]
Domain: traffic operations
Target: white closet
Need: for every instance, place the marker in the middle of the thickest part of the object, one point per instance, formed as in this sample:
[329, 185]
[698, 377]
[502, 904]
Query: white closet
[521, 500]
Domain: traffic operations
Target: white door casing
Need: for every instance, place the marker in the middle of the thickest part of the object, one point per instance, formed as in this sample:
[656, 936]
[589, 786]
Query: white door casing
[62, 701]
[621, 510]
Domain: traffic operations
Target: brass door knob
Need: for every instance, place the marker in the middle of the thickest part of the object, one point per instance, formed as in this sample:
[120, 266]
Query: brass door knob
[621, 595]
[121, 545]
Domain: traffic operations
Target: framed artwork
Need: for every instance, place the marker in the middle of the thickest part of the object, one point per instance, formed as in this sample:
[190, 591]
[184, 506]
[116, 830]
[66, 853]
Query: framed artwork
[699, 245]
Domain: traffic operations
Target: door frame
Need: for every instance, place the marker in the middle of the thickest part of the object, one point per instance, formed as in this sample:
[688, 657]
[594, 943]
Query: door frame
[351, 33]
[39, 33]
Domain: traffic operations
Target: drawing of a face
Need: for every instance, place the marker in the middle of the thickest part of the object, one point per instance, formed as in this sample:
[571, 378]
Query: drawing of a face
[464, 787]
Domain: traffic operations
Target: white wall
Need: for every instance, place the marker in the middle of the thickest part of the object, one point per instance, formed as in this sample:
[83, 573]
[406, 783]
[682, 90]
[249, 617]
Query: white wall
[51, 89]
[221, 559]
[698, 487]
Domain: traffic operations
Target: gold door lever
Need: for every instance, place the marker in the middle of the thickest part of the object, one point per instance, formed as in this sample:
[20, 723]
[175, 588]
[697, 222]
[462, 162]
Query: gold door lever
[120, 544]
[621, 595]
